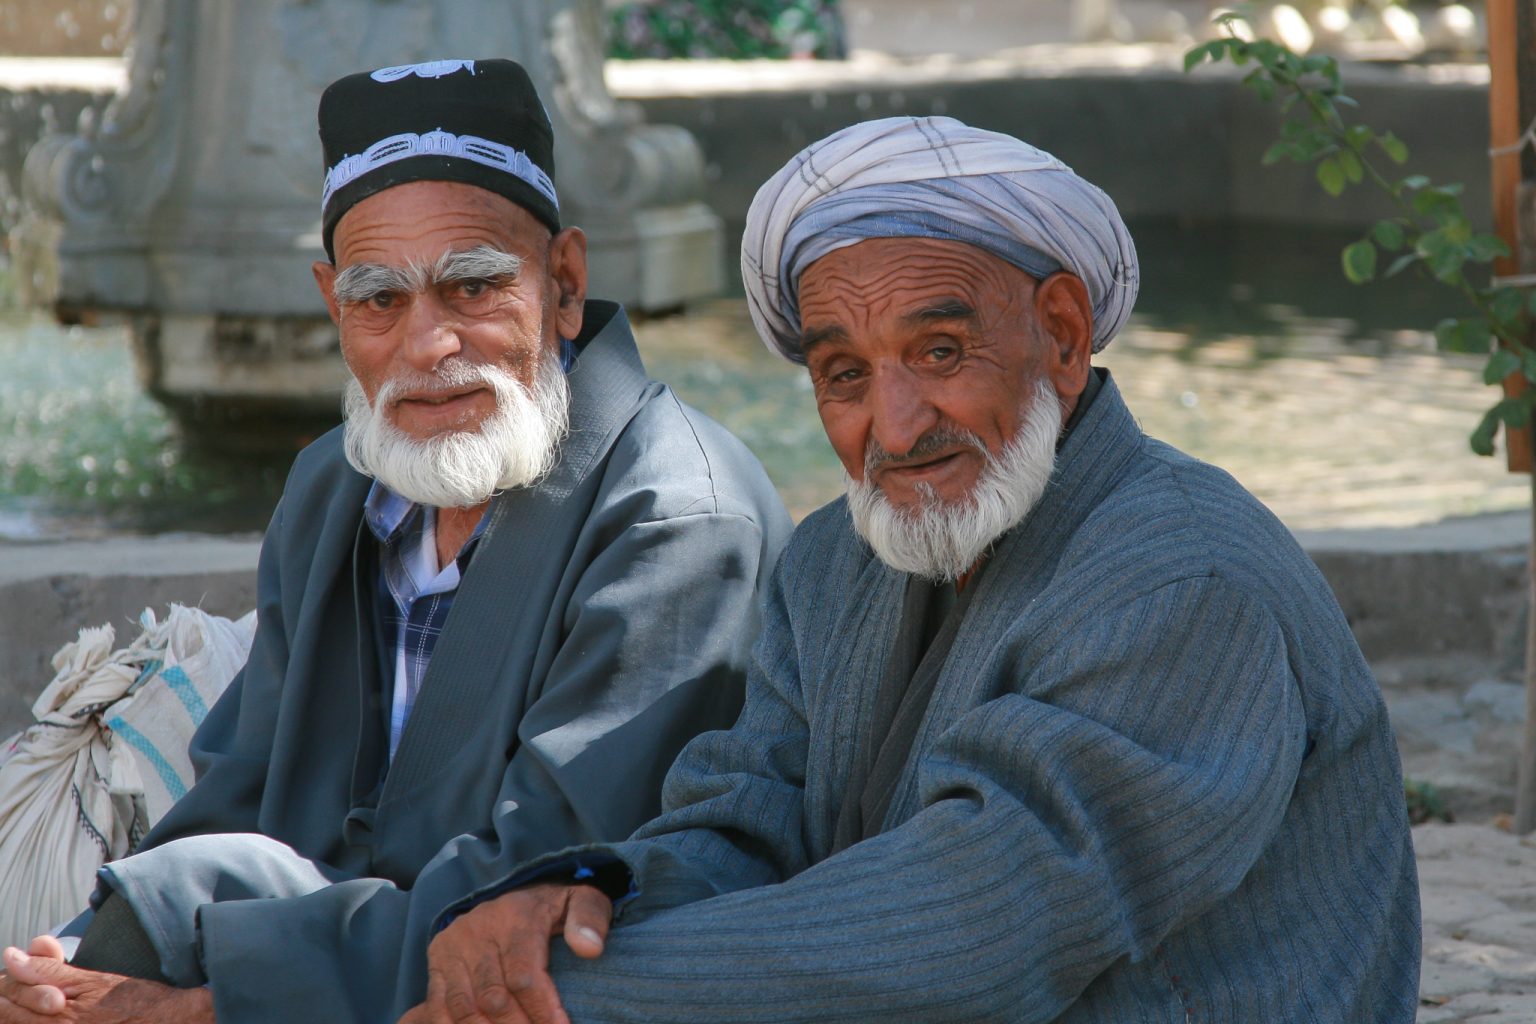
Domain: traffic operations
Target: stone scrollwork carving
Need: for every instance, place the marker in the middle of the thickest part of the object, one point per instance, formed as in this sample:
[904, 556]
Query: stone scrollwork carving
[118, 170]
[624, 162]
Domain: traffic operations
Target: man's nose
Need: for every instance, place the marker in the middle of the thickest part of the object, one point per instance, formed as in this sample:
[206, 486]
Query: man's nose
[901, 411]
[428, 334]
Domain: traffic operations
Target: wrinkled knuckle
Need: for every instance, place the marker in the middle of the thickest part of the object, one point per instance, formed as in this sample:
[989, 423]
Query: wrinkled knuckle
[494, 1001]
[460, 1005]
[521, 981]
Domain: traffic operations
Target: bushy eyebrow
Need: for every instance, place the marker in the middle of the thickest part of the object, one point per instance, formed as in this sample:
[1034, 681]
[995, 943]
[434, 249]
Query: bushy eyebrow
[946, 310]
[361, 281]
[818, 335]
[483, 261]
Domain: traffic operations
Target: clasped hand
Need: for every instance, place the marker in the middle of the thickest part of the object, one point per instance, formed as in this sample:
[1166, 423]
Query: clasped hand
[491, 966]
[38, 986]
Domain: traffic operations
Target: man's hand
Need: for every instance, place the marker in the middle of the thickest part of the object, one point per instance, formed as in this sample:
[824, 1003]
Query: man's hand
[39, 987]
[491, 966]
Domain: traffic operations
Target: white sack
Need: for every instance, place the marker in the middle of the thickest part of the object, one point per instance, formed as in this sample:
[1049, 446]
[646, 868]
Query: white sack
[73, 794]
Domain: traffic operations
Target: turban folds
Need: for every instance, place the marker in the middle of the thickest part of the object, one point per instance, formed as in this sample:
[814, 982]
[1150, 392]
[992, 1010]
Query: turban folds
[932, 177]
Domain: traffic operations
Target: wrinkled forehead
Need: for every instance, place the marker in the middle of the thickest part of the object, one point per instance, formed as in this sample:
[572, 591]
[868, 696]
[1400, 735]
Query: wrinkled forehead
[890, 276]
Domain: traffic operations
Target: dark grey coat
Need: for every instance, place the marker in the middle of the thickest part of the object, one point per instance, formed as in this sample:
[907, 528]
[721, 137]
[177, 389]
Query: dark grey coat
[605, 619]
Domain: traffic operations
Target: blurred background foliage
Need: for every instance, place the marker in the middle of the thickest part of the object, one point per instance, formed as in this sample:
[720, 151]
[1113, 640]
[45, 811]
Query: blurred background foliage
[729, 29]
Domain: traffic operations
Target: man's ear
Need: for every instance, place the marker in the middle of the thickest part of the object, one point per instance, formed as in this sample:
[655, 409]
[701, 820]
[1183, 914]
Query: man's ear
[325, 278]
[568, 270]
[1065, 316]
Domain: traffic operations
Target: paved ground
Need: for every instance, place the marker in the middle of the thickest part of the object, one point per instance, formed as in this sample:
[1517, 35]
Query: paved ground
[1478, 886]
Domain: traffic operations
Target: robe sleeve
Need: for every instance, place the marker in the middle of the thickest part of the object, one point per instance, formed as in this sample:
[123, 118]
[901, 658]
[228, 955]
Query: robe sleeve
[657, 635]
[1128, 781]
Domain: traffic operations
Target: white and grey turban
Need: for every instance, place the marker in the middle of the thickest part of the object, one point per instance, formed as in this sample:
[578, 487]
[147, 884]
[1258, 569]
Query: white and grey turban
[932, 177]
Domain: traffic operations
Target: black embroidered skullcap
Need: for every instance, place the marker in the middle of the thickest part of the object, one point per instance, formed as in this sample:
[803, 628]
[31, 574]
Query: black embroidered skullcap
[479, 122]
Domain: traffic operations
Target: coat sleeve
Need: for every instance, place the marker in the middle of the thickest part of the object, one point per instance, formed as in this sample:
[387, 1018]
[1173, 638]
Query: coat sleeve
[1126, 784]
[657, 636]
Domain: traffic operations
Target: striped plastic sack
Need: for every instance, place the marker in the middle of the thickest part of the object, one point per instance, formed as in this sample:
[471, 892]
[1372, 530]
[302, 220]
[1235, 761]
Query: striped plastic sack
[198, 655]
[76, 791]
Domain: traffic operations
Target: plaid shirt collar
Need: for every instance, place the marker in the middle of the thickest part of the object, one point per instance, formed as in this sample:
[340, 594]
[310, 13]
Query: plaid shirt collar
[415, 595]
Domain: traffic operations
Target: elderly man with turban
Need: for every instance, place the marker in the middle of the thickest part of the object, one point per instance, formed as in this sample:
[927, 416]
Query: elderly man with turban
[1048, 721]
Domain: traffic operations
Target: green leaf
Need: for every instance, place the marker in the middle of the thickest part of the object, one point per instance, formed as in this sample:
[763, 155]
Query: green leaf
[1353, 170]
[1312, 143]
[1483, 248]
[1506, 305]
[1512, 412]
[1482, 437]
[1208, 51]
[1331, 176]
[1471, 334]
[1278, 151]
[1515, 412]
[1500, 364]
[1358, 135]
[1457, 229]
[1388, 235]
[1393, 146]
[1442, 254]
[1359, 259]
[1401, 264]
[1413, 182]
[1262, 87]
[1432, 201]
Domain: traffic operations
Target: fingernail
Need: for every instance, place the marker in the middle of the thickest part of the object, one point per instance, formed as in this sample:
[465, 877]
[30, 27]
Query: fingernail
[16, 955]
[590, 934]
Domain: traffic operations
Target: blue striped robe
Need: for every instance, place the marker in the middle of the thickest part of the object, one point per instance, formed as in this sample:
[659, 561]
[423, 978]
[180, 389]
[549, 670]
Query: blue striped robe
[1156, 783]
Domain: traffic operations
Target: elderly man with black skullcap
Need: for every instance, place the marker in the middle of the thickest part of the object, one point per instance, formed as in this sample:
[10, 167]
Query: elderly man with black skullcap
[1047, 722]
[492, 608]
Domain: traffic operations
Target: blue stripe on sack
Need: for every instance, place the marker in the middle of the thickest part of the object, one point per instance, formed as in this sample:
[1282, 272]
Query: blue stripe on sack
[145, 746]
[150, 668]
[181, 686]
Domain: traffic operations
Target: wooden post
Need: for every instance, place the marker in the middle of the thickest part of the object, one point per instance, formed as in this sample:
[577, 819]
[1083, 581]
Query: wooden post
[1508, 51]
[1511, 105]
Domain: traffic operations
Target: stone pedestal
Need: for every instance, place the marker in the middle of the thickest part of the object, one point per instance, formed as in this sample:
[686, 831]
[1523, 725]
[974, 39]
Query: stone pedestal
[192, 208]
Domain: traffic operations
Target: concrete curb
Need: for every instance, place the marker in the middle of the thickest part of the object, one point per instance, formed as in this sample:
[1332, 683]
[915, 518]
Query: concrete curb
[1454, 588]
[49, 591]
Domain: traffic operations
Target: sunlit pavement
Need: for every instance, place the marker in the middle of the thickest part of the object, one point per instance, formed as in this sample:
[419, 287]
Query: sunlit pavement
[1478, 888]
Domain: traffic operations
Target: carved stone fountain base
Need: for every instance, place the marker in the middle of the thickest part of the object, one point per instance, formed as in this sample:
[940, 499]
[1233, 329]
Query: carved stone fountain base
[192, 209]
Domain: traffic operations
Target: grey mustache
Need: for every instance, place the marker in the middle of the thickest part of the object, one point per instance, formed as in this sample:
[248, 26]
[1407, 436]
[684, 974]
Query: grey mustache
[931, 443]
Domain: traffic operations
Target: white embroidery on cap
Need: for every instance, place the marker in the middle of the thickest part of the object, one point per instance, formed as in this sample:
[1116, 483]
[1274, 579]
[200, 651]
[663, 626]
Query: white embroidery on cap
[438, 143]
[426, 69]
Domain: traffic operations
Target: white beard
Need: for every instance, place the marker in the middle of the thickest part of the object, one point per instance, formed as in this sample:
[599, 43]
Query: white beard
[940, 541]
[513, 447]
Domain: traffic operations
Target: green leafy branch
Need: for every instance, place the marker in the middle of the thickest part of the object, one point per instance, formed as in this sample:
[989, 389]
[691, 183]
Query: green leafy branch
[1430, 234]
